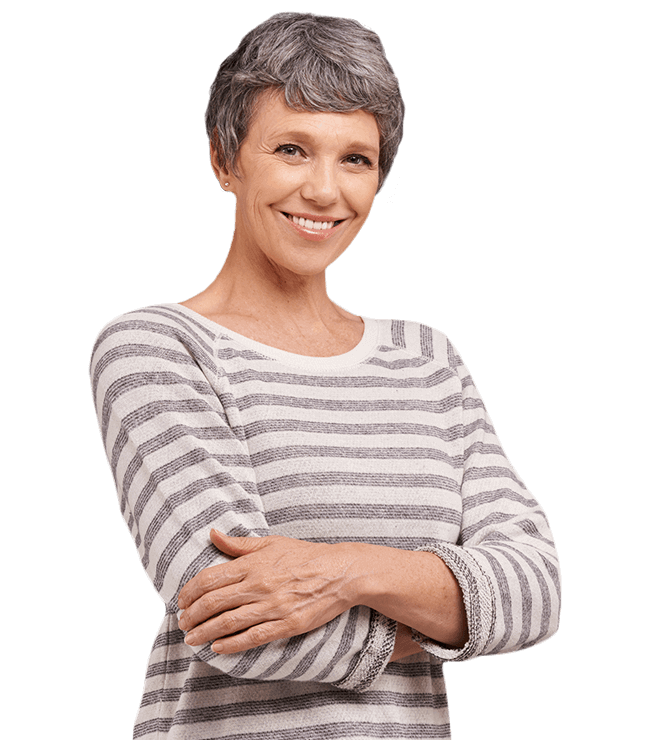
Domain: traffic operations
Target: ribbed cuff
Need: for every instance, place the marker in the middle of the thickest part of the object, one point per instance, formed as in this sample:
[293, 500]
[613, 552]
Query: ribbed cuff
[374, 656]
[478, 598]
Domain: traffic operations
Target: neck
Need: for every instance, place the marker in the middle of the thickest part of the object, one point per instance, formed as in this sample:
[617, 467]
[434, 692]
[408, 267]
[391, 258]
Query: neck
[252, 290]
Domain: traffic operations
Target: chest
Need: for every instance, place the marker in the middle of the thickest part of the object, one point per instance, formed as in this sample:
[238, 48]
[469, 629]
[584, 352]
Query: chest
[323, 340]
[370, 457]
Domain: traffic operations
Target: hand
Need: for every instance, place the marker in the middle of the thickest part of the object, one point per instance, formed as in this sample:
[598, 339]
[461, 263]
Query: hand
[274, 588]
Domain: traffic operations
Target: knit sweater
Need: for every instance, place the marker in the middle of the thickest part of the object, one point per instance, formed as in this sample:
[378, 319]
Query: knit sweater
[388, 444]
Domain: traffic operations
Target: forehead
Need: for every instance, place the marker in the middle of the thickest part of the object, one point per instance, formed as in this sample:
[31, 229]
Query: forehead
[273, 118]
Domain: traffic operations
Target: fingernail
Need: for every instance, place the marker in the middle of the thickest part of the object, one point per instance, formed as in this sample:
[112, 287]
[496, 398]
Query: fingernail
[190, 639]
[217, 647]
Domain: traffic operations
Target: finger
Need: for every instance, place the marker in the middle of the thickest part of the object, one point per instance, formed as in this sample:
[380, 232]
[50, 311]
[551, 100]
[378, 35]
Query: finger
[218, 575]
[236, 546]
[225, 625]
[259, 634]
[212, 604]
[209, 579]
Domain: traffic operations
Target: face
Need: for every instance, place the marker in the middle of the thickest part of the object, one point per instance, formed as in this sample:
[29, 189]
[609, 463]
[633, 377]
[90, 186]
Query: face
[304, 186]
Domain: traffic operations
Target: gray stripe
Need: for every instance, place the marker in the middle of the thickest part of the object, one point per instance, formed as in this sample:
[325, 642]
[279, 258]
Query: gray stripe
[433, 379]
[397, 333]
[337, 478]
[370, 405]
[426, 341]
[362, 511]
[292, 452]
[268, 426]
[399, 364]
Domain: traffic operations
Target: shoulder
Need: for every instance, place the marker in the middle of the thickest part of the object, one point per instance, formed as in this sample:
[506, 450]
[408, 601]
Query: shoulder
[162, 324]
[160, 338]
[418, 339]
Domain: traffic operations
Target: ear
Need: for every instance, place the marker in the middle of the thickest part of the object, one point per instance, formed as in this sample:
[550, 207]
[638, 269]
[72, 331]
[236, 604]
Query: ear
[221, 173]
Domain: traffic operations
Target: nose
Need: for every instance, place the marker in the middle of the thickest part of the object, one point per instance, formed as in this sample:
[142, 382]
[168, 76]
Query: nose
[321, 184]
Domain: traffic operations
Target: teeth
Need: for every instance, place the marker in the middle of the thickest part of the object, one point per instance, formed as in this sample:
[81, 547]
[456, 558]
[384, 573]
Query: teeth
[313, 225]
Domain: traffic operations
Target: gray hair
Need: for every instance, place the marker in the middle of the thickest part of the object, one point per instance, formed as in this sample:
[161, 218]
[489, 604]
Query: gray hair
[321, 64]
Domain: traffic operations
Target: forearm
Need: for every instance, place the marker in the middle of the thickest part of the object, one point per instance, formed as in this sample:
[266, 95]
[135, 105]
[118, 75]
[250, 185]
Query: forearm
[405, 645]
[414, 588]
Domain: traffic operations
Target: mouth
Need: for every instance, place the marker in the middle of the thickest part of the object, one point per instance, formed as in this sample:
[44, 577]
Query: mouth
[311, 224]
[312, 230]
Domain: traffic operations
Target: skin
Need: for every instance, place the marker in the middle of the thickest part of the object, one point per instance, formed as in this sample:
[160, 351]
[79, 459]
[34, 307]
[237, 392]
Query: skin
[272, 289]
[276, 587]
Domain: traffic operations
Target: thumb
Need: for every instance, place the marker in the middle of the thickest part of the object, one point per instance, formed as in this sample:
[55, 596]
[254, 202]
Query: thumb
[235, 546]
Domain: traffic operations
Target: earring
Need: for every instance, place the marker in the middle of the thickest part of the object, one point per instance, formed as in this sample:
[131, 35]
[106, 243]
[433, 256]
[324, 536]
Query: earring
[226, 184]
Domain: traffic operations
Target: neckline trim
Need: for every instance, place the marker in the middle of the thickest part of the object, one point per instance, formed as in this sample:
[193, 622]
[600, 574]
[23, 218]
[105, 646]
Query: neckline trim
[354, 356]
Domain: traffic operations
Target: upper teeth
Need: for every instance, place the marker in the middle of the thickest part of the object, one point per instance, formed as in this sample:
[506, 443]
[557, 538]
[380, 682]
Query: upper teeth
[308, 224]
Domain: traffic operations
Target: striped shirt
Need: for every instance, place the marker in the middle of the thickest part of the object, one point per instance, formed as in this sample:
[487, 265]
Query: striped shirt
[388, 444]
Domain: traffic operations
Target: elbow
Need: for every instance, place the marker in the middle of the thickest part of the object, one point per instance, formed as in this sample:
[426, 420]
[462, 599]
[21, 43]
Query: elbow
[544, 612]
[554, 620]
[551, 627]
[546, 595]
[554, 601]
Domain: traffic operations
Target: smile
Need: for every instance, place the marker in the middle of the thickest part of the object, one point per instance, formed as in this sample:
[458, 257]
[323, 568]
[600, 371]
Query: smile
[307, 223]
[313, 230]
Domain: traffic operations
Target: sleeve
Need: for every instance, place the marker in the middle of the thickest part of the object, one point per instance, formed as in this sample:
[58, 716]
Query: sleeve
[178, 453]
[505, 560]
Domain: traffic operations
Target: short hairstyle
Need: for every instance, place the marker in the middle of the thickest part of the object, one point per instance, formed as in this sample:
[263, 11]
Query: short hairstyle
[321, 64]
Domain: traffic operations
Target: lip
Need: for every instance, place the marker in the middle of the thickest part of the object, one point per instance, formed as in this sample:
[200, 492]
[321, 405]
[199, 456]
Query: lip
[314, 235]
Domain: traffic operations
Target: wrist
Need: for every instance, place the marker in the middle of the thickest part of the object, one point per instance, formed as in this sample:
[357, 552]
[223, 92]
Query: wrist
[360, 566]
[365, 572]
[413, 587]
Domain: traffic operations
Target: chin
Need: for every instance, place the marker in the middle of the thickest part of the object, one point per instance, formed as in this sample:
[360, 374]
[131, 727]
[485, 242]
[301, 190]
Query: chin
[304, 270]
[307, 265]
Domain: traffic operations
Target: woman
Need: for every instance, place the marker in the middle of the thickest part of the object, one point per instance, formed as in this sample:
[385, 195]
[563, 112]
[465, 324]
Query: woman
[320, 499]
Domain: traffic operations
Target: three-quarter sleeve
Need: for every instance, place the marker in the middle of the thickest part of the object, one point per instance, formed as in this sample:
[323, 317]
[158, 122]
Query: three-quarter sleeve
[177, 449]
[505, 559]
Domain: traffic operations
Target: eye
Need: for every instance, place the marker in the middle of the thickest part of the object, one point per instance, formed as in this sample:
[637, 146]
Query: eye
[289, 150]
[358, 160]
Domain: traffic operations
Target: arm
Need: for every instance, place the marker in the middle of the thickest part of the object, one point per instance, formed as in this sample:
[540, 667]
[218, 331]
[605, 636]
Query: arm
[505, 560]
[181, 467]
[277, 587]
[457, 606]
[415, 588]
[405, 645]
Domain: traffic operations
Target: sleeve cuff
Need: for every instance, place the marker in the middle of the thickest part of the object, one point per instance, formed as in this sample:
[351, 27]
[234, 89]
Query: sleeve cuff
[374, 656]
[479, 600]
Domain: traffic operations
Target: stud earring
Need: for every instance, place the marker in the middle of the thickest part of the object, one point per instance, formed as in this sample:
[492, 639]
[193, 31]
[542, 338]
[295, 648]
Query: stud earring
[226, 184]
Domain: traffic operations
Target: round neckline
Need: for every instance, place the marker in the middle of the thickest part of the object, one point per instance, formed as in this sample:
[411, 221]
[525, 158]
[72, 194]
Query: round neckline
[354, 356]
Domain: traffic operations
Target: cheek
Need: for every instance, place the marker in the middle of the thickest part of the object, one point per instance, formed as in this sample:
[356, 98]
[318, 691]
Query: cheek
[365, 196]
[262, 181]
[284, 182]
[275, 183]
